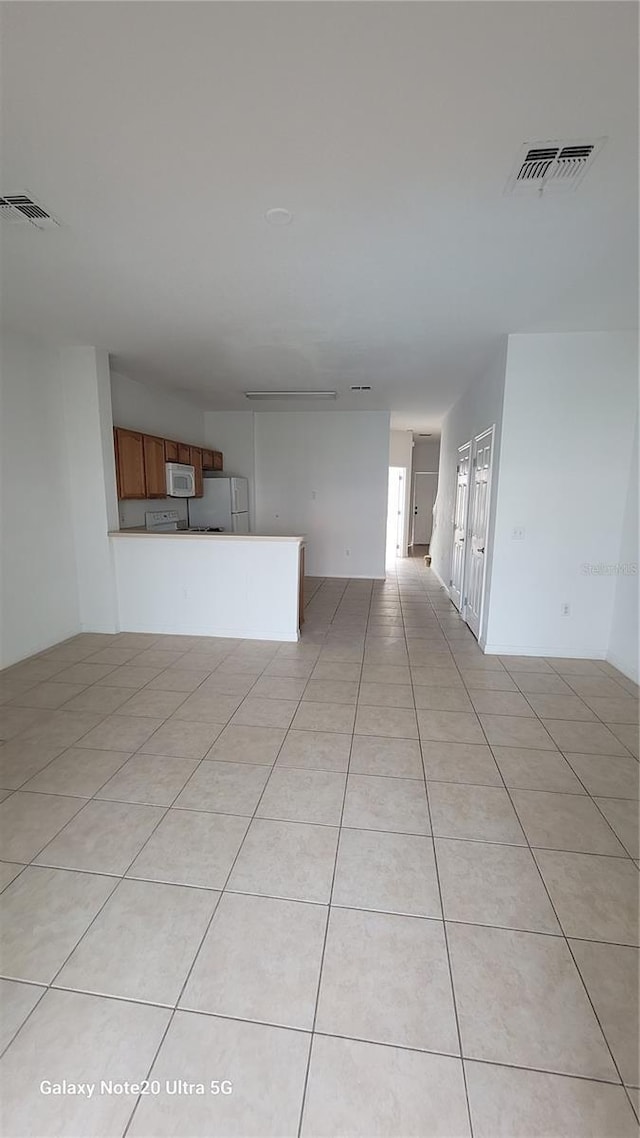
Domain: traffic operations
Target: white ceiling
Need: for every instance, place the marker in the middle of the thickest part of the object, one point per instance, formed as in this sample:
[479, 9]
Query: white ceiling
[160, 133]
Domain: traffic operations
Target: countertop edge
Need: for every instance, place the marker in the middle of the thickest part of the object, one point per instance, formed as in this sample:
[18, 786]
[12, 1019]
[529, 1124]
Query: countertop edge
[295, 538]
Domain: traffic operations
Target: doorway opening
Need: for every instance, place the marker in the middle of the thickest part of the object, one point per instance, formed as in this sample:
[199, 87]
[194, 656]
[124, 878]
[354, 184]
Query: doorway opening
[396, 515]
[425, 488]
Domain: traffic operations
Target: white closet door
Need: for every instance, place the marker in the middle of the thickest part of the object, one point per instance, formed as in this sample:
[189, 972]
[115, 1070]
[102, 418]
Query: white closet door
[460, 525]
[478, 530]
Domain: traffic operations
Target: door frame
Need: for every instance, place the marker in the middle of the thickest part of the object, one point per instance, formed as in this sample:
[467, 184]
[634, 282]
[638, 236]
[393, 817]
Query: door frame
[401, 525]
[416, 475]
[468, 445]
[490, 432]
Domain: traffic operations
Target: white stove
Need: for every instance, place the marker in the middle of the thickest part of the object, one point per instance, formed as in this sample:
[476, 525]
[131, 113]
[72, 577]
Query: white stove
[167, 521]
[161, 521]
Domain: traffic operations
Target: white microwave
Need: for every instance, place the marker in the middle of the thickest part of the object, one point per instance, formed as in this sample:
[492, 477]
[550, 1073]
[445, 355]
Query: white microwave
[181, 480]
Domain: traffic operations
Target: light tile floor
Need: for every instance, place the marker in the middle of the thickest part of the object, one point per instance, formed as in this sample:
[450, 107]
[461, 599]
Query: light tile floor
[374, 883]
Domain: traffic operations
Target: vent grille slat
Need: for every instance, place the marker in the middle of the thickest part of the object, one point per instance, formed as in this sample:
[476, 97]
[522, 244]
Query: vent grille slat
[21, 209]
[552, 166]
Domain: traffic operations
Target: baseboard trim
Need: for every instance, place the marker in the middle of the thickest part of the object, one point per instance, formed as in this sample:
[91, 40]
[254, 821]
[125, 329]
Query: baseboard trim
[543, 650]
[219, 633]
[437, 575]
[348, 576]
[622, 666]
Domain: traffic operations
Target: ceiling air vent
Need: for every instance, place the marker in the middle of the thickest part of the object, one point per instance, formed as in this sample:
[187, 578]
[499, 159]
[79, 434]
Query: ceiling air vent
[20, 209]
[552, 166]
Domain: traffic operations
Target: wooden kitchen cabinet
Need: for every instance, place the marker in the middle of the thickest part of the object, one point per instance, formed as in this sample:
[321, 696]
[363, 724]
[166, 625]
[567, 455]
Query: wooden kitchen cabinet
[154, 467]
[130, 469]
[140, 463]
[195, 460]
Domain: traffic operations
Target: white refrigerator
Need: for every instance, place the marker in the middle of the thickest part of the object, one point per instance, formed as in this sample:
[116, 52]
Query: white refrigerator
[224, 504]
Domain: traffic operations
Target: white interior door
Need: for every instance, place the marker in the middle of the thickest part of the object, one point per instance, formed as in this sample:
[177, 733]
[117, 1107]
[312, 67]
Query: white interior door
[425, 487]
[460, 525]
[395, 514]
[475, 572]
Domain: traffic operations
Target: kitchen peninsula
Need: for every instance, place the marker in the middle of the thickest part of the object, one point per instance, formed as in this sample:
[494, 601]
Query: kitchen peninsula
[208, 584]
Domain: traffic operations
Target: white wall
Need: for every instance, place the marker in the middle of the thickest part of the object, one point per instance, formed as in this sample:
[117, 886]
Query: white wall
[426, 455]
[401, 454]
[623, 641]
[325, 474]
[479, 408]
[570, 407]
[232, 433]
[154, 412]
[37, 558]
[86, 393]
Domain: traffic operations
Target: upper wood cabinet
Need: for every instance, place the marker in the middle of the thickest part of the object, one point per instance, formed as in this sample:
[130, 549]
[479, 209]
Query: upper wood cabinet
[196, 462]
[211, 460]
[154, 467]
[130, 469]
[140, 463]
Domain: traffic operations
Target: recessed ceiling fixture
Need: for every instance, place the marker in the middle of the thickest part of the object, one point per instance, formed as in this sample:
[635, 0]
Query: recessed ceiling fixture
[552, 166]
[291, 394]
[279, 216]
[22, 209]
[364, 387]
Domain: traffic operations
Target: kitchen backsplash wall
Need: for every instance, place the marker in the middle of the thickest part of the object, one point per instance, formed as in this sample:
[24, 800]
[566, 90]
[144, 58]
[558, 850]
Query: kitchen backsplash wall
[132, 513]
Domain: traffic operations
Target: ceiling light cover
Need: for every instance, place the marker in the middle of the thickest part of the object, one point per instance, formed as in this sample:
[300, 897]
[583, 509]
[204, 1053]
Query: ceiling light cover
[279, 216]
[291, 394]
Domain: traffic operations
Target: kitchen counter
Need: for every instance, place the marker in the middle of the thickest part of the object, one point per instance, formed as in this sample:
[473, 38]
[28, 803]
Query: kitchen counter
[140, 531]
[208, 584]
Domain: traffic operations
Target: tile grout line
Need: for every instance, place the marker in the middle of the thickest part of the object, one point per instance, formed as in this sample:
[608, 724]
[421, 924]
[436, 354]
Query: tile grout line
[446, 945]
[329, 905]
[355, 1039]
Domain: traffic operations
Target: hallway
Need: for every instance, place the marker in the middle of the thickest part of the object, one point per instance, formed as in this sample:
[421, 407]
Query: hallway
[374, 883]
